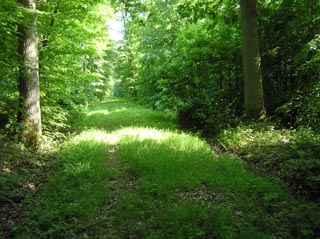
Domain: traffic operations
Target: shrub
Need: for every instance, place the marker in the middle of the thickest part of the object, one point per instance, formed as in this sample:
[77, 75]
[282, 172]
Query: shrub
[209, 116]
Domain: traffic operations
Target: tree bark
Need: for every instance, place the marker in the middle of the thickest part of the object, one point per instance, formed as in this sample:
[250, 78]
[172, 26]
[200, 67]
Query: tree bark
[253, 89]
[29, 115]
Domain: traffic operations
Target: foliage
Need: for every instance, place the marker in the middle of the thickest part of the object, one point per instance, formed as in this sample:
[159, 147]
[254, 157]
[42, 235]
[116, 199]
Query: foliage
[179, 65]
[73, 71]
[181, 52]
[289, 49]
[73, 62]
[209, 116]
[302, 109]
[8, 71]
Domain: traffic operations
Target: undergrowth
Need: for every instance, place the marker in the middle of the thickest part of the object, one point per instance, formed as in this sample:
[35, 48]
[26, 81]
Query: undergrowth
[22, 173]
[291, 155]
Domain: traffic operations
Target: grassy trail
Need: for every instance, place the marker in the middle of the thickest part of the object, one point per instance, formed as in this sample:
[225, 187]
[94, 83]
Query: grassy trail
[131, 174]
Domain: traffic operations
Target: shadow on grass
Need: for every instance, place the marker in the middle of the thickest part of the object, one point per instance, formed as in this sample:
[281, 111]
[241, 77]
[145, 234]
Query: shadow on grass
[78, 187]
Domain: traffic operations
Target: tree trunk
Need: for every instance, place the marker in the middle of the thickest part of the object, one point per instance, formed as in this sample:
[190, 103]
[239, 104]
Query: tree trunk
[253, 90]
[29, 115]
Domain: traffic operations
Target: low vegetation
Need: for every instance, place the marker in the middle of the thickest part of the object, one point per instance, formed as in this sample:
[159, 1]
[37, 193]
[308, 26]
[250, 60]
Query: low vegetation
[291, 155]
[130, 173]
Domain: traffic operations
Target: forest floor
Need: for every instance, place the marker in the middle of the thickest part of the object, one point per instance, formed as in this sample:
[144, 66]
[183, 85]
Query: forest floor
[131, 173]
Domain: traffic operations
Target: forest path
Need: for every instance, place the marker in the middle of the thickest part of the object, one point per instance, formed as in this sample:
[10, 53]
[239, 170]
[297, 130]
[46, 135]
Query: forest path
[131, 174]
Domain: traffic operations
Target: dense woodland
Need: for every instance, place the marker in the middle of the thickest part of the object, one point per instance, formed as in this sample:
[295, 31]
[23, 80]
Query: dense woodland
[184, 56]
[244, 75]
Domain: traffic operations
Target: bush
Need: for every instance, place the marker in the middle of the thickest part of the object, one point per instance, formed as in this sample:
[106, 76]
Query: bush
[209, 116]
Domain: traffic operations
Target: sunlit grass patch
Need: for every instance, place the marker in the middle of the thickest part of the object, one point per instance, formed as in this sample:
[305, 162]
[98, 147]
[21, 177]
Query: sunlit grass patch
[125, 134]
[177, 140]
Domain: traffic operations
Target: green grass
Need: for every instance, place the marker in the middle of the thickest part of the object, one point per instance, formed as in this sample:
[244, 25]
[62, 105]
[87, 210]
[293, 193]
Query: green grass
[131, 174]
[118, 114]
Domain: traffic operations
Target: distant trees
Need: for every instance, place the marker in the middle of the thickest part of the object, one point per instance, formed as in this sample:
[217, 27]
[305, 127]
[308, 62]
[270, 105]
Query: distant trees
[187, 56]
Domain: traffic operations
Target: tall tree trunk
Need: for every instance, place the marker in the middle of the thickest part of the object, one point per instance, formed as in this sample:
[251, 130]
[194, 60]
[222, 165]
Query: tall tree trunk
[29, 116]
[253, 89]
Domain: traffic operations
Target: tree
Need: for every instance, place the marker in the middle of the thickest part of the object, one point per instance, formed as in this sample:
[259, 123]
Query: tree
[253, 90]
[29, 115]
[70, 40]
